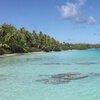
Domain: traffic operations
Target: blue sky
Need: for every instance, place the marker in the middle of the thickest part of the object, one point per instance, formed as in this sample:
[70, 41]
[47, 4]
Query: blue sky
[75, 21]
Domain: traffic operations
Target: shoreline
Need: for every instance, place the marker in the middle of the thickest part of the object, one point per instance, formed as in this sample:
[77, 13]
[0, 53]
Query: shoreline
[15, 54]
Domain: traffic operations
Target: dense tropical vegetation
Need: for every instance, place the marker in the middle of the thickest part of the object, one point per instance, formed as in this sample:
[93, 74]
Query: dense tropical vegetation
[13, 40]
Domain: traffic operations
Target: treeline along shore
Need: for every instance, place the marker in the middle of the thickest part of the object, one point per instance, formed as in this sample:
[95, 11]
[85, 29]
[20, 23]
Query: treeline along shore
[13, 40]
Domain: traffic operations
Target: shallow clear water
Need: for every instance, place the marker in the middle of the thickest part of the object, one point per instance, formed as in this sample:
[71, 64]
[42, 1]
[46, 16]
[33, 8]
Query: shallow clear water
[19, 75]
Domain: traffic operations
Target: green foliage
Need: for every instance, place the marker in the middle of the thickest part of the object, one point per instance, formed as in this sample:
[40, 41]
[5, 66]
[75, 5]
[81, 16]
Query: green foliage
[67, 46]
[20, 41]
[13, 40]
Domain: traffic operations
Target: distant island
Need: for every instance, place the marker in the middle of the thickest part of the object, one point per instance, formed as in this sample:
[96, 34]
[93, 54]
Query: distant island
[13, 40]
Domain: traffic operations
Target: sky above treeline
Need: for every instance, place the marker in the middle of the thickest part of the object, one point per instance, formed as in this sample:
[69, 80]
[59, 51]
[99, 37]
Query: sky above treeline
[74, 21]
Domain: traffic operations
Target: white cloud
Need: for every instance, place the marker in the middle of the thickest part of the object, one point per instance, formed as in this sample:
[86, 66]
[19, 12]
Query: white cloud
[92, 20]
[72, 11]
[69, 11]
[82, 2]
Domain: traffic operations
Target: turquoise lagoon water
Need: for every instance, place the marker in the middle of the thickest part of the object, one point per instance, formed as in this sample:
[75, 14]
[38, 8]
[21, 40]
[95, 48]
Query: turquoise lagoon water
[19, 75]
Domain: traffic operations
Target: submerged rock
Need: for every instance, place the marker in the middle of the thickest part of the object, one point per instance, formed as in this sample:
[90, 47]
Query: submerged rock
[63, 78]
[88, 63]
[94, 74]
[57, 63]
[67, 77]
[53, 81]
